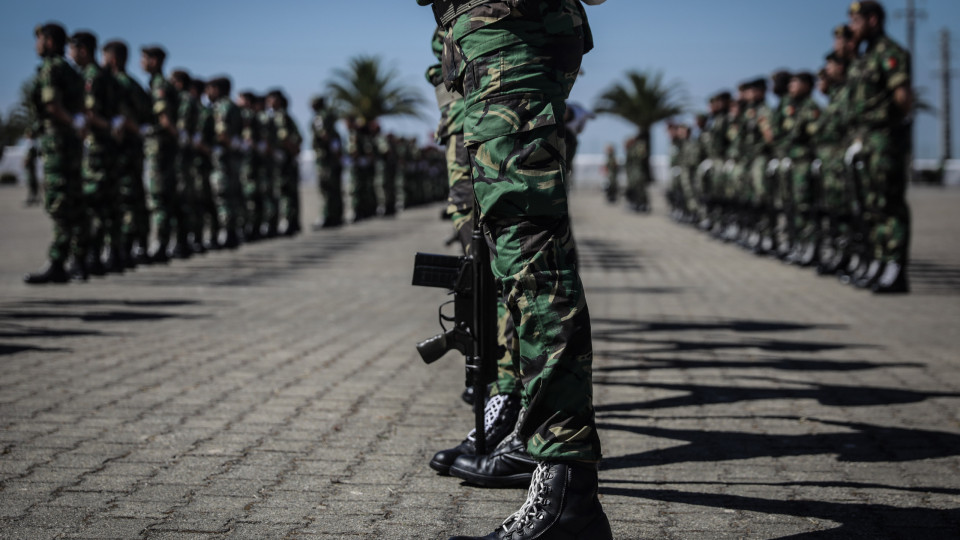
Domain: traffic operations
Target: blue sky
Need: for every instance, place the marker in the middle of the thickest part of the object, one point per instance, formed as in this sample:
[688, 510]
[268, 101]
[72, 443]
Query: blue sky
[705, 44]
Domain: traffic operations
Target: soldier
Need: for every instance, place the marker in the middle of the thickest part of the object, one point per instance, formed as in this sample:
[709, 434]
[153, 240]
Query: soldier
[205, 217]
[57, 97]
[613, 174]
[271, 203]
[188, 120]
[879, 118]
[534, 260]
[101, 190]
[502, 406]
[328, 152]
[386, 168]
[134, 111]
[800, 124]
[286, 168]
[835, 196]
[711, 172]
[225, 177]
[361, 149]
[779, 198]
[160, 148]
[251, 178]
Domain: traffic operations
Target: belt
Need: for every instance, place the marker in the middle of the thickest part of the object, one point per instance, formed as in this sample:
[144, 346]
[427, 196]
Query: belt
[447, 11]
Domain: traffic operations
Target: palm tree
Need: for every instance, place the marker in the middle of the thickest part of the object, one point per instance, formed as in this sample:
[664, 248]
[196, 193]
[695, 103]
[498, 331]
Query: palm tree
[365, 89]
[643, 100]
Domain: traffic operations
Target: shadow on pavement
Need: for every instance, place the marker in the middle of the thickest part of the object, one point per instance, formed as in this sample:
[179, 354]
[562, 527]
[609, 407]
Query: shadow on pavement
[628, 326]
[606, 255]
[856, 520]
[7, 349]
[829, 395]
[928, 277]
[783, 364]
[863, 443]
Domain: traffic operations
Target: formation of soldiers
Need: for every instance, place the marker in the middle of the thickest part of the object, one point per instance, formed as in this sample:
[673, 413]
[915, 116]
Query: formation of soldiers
[386, 172]
[823, 188]
[184, 163]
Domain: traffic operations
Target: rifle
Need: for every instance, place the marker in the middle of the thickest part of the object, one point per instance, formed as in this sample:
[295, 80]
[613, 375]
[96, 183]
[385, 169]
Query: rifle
[474, 319]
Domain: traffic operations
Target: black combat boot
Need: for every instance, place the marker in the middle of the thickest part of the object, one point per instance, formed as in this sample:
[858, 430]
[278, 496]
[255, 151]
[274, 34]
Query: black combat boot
[182, 250]
[52, 272]
[893, 280]
[78, 270]
[499, 420]
[232, 240]
[114, 264]
[562, 504]
[508, 465]
[160, 255]
[95, 266]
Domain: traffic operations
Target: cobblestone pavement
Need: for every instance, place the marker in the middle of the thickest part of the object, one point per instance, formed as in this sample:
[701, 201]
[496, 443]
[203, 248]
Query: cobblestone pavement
[275, 392]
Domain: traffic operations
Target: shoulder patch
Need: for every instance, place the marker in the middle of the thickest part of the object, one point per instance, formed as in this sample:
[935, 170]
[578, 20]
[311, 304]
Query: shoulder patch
[891, 63]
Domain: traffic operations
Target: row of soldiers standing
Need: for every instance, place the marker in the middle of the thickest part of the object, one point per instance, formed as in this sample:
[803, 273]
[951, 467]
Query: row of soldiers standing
[823, 188]
[386, 171]
[218, 172]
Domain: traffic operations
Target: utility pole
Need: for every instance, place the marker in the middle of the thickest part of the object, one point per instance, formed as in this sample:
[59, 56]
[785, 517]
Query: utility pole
[911, 14]
[946, 135]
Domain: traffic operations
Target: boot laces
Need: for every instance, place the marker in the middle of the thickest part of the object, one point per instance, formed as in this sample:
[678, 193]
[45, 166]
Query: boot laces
[490, 414]
[536, 499]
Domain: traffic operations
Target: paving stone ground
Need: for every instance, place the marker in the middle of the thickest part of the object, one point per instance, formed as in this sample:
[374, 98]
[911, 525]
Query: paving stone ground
[274, 392]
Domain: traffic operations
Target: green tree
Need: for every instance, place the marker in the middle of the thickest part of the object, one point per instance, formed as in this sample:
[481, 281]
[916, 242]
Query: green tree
[644, 99]
[366, 89]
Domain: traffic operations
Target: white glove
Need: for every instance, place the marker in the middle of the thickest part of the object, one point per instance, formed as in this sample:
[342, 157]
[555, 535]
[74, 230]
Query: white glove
[786, 164]
[772, 167]
[853, 151]
[79, 121]
[116, 122]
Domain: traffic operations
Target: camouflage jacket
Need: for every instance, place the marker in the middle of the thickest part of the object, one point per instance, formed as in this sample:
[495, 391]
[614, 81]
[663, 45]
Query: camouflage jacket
[800, 125]
[188, 117]
[872, 80]
[288, 134]
[56, 82]
[327, 146]
[227, 126]
[830, 129]
[716, 136]
[101, 98]
[164, 100]
[134, 104]
[752, 125]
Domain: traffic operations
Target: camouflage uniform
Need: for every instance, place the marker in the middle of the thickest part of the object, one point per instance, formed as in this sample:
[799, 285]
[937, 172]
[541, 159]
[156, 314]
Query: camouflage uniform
[287, 170]
[876, 122]
[225, 178]
[386, 173]
[101, 190]
[362, 150]
[57, 82]
[251, 177]
[205, 208]
[516, 70]
[328, 151]
[135, 106]
[188, 122]
[613, 177]
[460, 206]
[271, 203]
[800, 123]
[160, 148]
[831, 140]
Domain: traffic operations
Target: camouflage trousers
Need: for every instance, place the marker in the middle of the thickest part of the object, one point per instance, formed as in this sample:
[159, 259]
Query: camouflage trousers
[63, 197]
[227, 192]
[460, 201]
[187, 190]
[386, 183]
[101, 193]
[161, 173]
[363, 189]
[133, 197]
[516, 74]
[885, 183]
[330, 183]
[289, 188]
[253, 208]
